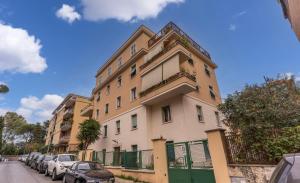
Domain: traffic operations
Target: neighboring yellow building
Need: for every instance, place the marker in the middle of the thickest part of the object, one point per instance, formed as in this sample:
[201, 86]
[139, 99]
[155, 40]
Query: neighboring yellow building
[64, 125]
[291, 10]
[155, 85]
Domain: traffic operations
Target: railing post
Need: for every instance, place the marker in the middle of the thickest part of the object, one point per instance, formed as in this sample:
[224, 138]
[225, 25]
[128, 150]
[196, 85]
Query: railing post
[160, 160]
[217, 149]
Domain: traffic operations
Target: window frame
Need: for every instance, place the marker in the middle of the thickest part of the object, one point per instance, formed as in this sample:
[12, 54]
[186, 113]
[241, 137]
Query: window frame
[107, 89]
[133, 97]
[118, 127]
[212, 92]
[200, 114]
[109, 71]
[133, 71]
[136, 125]
[206, 69]
[218, 120]
[119, 81]
[166, 114]
[133, 49]
[106, 110]
[105, 131]
[118, 102]
[119, 62]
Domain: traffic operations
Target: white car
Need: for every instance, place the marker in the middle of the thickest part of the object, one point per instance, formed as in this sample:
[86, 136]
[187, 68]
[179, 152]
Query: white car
[58, 165]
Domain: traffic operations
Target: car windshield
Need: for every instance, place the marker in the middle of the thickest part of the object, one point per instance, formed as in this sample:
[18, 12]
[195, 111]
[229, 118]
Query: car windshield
[48, 158]
[66, 158]
[89, 166]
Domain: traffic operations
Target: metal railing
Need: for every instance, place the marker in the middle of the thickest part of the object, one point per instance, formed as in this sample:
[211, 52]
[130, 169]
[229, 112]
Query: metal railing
[129, 160]
[66, 125]
[64, 139]
[171, 26]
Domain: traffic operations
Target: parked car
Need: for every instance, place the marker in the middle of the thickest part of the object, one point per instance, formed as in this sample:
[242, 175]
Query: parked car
[43, 164]
[287, 170]
[24, 157]
[87, 171]
[30, 157]
[58, 165]
[34, 160]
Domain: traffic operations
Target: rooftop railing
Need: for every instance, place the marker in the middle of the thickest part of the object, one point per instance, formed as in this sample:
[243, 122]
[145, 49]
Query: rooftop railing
[171, 26]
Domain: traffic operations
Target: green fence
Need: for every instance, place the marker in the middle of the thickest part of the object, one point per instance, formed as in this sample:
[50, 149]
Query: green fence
[127, 159]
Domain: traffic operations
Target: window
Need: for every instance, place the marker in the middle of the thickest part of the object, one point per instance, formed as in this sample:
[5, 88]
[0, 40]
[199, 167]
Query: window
[133, 94]
[133, 71]
[105, 130]
[109, 71]
[118, 127]
[119, 102]
[211, 92]
[191, 61]
[97, 113]
[133, 49]
[199, 113]
[207, 70]
[166, 113]
[119, 81]
[107, 89]
[134, 122]
[134, 147]
[98, 96]
[99, 80]
[106, 108]
[218, 118]
[119, 63]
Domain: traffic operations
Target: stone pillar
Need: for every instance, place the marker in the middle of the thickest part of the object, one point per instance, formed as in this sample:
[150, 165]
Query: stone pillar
[160, 160]
[217, 149]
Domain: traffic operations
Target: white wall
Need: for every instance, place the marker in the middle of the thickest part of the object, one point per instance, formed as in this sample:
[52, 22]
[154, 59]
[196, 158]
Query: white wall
[127, 137]
[183, 127]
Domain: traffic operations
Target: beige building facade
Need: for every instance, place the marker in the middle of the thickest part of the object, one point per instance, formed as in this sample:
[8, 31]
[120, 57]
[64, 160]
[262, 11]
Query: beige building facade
[155, 86]
[291, 10]
[64, 125]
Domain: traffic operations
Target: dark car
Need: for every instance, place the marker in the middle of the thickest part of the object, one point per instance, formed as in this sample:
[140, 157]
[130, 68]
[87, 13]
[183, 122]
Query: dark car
[87, 171]
[43, 163]
[30, 157]
[287, 170]
[33, 162]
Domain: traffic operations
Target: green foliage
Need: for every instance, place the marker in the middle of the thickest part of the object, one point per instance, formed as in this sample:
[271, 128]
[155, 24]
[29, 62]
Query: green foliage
[258, 114]
[9, 149]
[89, 132]
[3, 88]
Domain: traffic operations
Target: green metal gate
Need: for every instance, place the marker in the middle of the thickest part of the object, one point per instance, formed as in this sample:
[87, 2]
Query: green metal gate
[189, 162]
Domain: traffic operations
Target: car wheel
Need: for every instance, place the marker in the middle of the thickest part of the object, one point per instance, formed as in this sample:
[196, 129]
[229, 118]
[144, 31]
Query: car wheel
[78, 181]
[46, 172]
[54, 176]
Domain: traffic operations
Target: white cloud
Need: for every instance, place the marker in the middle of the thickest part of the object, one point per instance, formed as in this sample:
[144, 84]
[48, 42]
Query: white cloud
[239, 14]
[232, 27]
[3, 111]
[68, 13]
[124, 10]
[35, 109]
[19, 51]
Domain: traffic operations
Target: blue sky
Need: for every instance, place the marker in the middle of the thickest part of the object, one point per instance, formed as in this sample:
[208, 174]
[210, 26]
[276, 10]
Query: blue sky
[247, 39]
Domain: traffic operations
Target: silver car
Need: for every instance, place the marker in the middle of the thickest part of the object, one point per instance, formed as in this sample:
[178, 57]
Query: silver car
[287, 170]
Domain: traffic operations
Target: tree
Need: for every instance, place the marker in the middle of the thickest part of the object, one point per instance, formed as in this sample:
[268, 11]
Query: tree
[89, 132]
[258, 113]
[1, 130]
[3, 88]
[13, 123]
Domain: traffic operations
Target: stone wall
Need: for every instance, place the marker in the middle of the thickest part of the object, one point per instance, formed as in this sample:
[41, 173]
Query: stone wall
[250, 173]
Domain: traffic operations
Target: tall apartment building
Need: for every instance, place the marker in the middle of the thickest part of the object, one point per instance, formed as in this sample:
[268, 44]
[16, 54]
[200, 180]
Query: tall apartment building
[64, 125]
[291, 10]
[153, 86]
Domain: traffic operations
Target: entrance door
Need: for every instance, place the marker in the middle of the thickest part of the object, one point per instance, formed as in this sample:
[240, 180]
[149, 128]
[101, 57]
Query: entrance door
[189, 162]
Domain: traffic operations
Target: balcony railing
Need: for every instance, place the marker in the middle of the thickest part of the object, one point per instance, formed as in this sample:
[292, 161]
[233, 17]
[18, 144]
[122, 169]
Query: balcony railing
[171, 26]
[66, 125]
[68, 113]
[64, 139]
[167, 81]
[87, 110]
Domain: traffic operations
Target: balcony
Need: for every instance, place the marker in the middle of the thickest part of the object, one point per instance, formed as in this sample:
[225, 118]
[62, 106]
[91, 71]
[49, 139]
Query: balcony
[178, 84]
[87, 111]
[173, 27]
[65, 126]
[64, 139]
[68, 113]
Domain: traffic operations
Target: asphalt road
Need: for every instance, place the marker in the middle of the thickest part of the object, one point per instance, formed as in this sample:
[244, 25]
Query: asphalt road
[17, 172]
